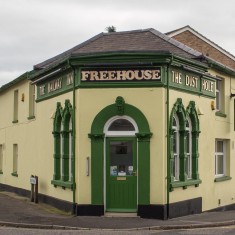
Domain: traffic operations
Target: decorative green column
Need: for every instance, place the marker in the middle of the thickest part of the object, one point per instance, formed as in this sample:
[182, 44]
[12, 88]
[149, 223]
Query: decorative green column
[65, 156]
[182, 155]
[97, 164]
[144, 168]
[56, 155]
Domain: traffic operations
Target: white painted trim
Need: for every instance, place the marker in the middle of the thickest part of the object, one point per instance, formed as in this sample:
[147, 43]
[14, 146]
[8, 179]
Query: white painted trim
[120, 133]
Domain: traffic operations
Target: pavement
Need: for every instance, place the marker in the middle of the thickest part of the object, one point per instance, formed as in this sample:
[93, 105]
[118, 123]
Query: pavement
[17, 211]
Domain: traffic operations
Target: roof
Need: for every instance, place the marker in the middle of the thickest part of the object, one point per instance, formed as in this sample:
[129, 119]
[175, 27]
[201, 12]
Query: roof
[146, 40]
[22, 77]
[190, 29]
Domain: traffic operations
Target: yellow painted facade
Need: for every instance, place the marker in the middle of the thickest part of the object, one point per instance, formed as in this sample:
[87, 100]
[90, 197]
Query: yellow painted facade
[29, 143]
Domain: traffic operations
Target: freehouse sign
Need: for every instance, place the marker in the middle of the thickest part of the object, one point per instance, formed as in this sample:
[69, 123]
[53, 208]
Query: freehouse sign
[121, 75]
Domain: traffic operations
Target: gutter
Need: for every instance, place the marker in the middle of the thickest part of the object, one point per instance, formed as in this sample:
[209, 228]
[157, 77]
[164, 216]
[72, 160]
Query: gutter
[168, 138]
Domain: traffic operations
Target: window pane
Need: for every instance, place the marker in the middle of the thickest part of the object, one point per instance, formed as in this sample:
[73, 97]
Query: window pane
[175, 142]
[220, 164]
[121, 125]
[220, 147]
[188, 142]
[121, 158]
[174, 122]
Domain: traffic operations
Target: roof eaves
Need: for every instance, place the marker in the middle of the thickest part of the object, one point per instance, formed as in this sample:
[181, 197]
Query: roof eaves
[65, 54]
[221, 66]
[21, 78]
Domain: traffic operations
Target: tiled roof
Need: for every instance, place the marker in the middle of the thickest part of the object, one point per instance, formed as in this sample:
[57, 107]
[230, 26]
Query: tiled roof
[187, 27]
[147, 40]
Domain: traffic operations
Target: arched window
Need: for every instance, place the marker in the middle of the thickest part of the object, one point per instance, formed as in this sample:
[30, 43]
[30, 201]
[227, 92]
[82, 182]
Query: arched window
[63, 147]
[120, 126]
[184, 133]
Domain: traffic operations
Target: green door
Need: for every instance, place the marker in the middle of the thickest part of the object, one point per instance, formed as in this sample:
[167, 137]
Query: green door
[121, 174]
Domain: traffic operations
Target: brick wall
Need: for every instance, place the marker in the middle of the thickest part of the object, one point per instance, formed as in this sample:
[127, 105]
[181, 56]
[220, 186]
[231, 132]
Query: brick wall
[198, 44]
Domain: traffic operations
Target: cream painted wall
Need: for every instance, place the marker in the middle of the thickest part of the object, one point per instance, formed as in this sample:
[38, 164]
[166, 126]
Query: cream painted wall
[92, 101]
[35, 142]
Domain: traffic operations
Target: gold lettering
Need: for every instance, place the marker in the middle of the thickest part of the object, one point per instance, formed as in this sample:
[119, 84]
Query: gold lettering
[147, 74]
[155, 74]
[191, 81]
[111, 75]
[130, 75]
[176, 77]
[121, 75]
[103, 75]
[94, 75]
[138, 74]
[85, 75]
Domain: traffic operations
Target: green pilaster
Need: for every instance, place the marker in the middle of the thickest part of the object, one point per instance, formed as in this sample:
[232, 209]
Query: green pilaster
[144, 168]
[182, 155]
[65, 156]
[171, 132]
[195, 154]
[56, 175]
[97, 163]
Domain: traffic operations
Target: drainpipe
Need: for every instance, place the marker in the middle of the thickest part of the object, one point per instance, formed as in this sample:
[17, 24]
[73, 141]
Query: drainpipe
[74, 137]
[168, 138]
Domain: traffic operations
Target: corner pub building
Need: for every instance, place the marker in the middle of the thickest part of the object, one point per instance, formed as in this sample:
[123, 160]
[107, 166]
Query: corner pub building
[125, 122]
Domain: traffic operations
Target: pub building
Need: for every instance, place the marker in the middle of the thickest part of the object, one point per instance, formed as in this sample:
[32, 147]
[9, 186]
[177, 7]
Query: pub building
[125, 122]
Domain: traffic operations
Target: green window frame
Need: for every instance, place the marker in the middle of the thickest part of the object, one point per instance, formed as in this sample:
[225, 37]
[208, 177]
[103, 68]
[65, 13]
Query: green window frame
[63, 151]
[184, 133]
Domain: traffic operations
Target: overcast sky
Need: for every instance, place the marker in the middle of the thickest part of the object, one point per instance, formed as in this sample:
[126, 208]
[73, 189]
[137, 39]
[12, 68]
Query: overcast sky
[32, 31]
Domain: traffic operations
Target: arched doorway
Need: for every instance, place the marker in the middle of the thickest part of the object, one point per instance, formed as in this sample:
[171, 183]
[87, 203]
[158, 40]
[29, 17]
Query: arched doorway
[101, 137]
[121, 165]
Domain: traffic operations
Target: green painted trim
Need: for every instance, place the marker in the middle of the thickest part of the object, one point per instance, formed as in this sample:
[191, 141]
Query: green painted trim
[97, 150]
[192, 81]
[31, 117]
[15, 121]
[62, 119]
[184, 184]
[223, 178]
[130, 195]
[63, 184]
[53, 95]
[191, 92]
[190, 112]
[14, 174]
[220, 114]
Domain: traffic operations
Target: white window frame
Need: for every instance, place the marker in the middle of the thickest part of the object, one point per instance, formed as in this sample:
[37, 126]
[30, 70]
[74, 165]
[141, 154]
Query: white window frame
[189, 154]
[120, 133]
[217, 154]
[176, 154]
